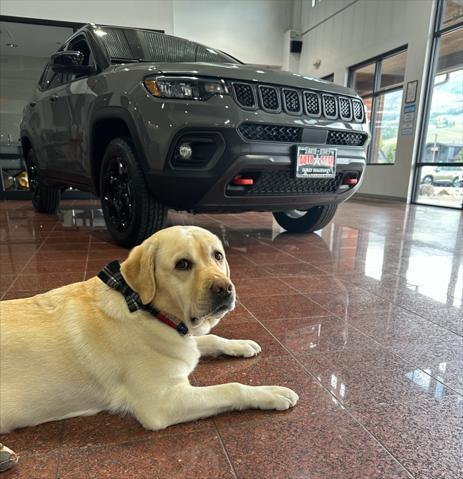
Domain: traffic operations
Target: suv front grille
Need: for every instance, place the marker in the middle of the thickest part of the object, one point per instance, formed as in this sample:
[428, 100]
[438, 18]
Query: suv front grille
[286, 134]
[269, 98]
[312, 103]
[345, 108]
[347, 138]
[244, 95]
[330, 107]
[291, 101]
[295, 101]
[290, 134]
[281, 182]
[357, 108]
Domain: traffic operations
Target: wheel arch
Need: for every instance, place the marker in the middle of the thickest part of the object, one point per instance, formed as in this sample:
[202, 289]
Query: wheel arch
[106, 125]
[26, 145]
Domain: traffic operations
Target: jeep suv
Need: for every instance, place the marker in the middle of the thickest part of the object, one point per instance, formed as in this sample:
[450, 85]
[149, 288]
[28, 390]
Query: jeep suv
[148, 121]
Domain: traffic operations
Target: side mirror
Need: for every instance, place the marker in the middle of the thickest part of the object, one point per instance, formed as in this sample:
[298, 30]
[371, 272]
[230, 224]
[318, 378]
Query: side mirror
[70, 62]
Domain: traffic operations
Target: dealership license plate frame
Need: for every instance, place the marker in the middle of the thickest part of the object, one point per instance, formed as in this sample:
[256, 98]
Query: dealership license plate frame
[312, 162]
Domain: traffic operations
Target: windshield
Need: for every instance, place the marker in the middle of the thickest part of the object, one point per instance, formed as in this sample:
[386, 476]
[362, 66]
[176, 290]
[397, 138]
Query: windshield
[124, 44]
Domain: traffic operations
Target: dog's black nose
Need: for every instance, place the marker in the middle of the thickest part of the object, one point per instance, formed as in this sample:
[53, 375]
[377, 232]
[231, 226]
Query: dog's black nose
[221, 289]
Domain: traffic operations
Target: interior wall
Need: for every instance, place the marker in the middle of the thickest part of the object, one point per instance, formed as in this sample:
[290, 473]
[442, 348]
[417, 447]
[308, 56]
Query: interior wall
[157, 14]
[342, 33]
[250, 30]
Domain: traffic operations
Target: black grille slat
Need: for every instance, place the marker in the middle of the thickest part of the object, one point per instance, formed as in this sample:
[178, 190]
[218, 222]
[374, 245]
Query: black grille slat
[312, 103]
[283, 183]
[348, 138]
[345, 108]
[287, 134]
[244, 95]
[357, 108]
[269, 98]
[290, 134]
[291, 101]
[330, 107]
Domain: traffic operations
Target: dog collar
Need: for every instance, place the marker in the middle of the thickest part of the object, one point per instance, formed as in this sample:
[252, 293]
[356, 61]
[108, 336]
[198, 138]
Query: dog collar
[112, 276]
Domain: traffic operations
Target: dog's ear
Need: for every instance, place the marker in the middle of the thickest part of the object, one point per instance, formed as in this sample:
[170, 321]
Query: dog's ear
[138, 271]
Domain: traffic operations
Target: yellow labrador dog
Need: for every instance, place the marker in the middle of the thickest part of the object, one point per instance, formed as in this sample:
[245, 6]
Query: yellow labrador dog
[127, 340]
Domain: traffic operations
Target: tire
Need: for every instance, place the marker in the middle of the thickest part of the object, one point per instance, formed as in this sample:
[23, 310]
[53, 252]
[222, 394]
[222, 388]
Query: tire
[457, 182]
[314, 219]
[130, 211]
[427, 180]
[45, 199]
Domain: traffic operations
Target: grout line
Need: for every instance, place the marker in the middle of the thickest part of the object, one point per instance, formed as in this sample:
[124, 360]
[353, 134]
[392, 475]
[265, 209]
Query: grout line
[88, 255]
[227, 455]
[30, 259]
[60, 451]
[344, 408]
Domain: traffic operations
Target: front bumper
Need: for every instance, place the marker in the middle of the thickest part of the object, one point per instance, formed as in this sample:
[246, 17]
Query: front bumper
[206, 187]
[210, 189]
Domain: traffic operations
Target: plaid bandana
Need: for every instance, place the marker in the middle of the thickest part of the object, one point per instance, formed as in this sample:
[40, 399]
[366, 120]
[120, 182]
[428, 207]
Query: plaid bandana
[112, 276]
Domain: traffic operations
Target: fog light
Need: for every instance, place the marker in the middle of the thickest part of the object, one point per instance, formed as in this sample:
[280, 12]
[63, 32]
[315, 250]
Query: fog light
[185, 151]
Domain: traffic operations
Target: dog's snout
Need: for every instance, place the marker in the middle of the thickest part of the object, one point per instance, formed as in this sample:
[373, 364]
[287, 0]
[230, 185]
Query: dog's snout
[221, 288]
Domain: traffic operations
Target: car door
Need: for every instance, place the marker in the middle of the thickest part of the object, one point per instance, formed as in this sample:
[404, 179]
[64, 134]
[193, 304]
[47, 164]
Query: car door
[69, 99]
[78, 98]
[43, 120]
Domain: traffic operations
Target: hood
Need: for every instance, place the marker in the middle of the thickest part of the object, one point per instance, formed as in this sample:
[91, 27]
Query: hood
[248, 73]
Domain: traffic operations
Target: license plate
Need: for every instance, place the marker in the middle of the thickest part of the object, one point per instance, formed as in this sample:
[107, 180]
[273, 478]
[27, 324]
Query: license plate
[313, 162]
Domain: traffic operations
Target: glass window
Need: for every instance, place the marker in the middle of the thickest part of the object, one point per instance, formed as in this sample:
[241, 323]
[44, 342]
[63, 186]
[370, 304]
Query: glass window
[22, 65]
[439, 174]
[393, 70]
[25, 49]
[440, 185]
[386, 126]
[363, 79]
[380, 84]
[148, 45]
[453, 13]
[444, 132]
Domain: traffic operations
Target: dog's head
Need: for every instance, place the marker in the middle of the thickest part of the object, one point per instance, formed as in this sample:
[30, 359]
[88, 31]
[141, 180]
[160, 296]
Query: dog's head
[183, 271]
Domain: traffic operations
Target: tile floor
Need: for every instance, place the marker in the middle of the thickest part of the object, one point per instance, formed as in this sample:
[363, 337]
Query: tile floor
[364, 321]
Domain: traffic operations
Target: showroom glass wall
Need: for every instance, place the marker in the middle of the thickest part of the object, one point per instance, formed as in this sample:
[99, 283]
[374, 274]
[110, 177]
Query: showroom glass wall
[380, 83]
[439, 171]
[25, 47]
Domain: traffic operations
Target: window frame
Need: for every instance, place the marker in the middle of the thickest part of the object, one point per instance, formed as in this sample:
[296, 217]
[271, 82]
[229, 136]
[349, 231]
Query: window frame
[377, 91]
[428, 91]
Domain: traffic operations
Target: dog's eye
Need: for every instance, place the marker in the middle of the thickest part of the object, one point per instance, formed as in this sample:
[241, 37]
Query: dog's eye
[218, 256]
[183, 264]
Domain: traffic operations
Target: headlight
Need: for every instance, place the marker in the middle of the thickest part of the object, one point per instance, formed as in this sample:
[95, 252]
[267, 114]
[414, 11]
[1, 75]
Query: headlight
[186, 88]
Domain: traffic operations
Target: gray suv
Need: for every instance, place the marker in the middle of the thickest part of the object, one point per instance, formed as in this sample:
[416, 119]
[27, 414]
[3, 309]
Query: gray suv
[148, 121]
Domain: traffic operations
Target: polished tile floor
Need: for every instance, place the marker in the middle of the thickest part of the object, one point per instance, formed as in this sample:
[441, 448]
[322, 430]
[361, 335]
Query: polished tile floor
[364, 321]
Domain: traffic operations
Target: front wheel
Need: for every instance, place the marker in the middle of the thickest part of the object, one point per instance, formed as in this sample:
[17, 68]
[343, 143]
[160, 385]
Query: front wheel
[427, 180]
[130, 211]
[299, 221]
[45, 199]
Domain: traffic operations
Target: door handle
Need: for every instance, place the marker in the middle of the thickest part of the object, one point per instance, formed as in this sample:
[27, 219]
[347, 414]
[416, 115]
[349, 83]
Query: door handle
[32, 104]
[54, 98]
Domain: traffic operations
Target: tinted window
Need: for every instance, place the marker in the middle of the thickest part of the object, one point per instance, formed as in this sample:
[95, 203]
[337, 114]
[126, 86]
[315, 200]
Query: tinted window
[145, 45]
[49, 78]
[79, 44]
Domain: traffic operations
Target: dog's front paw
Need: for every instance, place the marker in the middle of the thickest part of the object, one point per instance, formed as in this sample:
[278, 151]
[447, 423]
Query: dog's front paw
[244, 348]
[275, 397]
